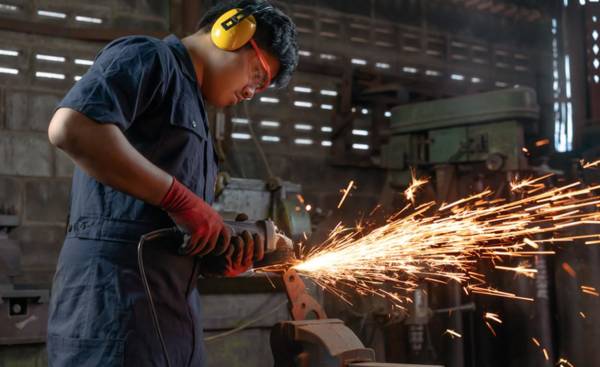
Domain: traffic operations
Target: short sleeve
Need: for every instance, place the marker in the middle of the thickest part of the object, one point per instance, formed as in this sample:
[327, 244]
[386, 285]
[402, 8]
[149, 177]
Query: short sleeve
[126, 77]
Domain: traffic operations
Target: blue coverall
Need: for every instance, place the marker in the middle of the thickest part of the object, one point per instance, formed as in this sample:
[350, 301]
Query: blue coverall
[98, 311]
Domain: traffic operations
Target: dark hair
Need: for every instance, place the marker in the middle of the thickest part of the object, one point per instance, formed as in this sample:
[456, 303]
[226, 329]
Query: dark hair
[275, 32]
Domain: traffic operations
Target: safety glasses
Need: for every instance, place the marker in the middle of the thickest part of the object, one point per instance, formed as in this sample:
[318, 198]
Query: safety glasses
[264, 84]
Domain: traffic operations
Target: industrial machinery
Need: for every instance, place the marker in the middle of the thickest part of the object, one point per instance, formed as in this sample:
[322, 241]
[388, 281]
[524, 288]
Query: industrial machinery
[464, 145]
[231, 302]
[309, 338]
[488, 128]
[258, 199]
[23, 310]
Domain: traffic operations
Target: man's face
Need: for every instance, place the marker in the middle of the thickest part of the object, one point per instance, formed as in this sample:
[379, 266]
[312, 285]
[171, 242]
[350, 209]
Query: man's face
[240, 76]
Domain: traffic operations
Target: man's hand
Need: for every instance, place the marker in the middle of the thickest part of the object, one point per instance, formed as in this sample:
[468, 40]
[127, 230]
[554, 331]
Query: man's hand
[208, 233]
[238, 258]
[245, 249]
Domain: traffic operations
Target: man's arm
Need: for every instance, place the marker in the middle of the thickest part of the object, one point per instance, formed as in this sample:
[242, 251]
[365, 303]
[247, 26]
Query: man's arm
[104, 153]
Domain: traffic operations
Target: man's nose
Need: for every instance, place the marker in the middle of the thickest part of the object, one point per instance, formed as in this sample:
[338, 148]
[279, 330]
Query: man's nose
[248, 92]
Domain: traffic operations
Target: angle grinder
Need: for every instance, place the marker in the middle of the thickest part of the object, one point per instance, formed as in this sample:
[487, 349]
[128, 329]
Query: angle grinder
[278, 247]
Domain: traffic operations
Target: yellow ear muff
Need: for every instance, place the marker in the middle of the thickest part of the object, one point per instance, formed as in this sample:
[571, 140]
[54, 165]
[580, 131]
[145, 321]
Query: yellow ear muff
[229, 34]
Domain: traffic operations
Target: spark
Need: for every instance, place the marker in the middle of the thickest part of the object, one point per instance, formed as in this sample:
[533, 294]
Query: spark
[452, 333]
[590, 290]
[564, 363]
[582, 315]
[445, 243]
[531, 243]
[346, 191]
[566, 267]
[536, 342]
[546, 354]
[518, 269]
[517, 185]
[493, 316]
[490, 327]
[375, 209]
[416, 183]
[542, 142]
[585, 164]
[494, 292]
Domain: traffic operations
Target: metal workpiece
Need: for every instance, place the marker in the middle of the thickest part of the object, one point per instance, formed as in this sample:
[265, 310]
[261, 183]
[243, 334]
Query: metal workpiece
[302, 304]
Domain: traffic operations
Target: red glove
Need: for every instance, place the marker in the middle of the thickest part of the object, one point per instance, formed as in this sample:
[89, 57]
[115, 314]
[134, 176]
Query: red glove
[238, 258]
[208, 233]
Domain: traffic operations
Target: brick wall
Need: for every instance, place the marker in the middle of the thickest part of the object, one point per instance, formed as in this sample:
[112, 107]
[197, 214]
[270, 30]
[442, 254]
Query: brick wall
[35, 72]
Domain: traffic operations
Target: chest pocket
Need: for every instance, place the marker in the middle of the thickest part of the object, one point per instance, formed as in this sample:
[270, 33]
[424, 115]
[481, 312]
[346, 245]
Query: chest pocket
[191, 145]
[191, 119]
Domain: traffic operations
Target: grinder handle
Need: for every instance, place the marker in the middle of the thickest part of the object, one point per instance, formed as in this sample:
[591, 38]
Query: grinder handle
[266, 228]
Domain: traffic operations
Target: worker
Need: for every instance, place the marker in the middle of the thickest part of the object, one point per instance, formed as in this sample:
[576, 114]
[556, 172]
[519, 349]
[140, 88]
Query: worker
[135, 125]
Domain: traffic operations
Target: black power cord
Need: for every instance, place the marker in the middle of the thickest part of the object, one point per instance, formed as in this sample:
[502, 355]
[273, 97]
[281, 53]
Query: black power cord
[140, 250]
[150, 236]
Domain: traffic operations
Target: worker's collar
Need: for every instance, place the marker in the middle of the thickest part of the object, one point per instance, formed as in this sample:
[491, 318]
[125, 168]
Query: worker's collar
[182, 54]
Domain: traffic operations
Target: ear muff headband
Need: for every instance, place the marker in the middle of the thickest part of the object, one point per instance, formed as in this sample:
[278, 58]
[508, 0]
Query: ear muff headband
[236, 27]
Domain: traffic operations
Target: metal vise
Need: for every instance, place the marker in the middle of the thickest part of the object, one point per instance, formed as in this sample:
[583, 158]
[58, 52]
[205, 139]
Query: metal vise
[319, 342]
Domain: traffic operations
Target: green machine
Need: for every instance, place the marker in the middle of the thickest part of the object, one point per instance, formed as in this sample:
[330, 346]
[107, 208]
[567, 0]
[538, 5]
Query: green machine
[463, 144]
[489, 128]
[279, 200]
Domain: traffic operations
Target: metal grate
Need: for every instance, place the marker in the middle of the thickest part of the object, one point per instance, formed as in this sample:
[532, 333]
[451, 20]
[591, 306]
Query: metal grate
[86, 13]
[330, 37]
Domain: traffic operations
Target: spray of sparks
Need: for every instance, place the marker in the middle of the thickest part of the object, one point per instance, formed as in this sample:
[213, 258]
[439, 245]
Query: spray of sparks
[443, 243]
